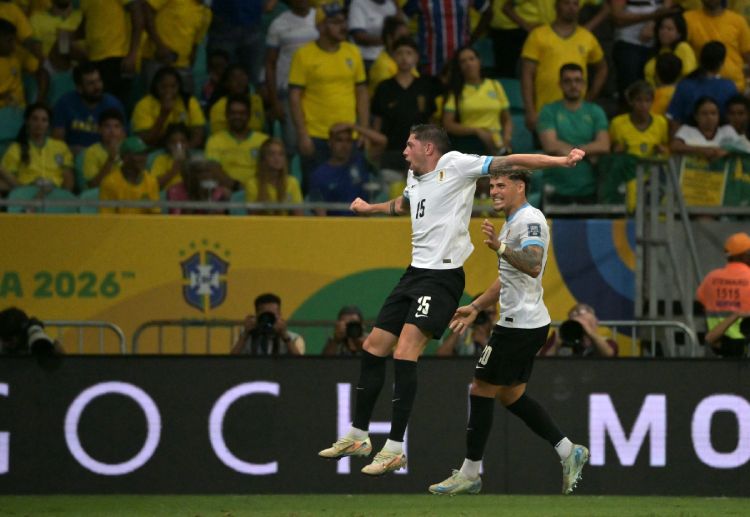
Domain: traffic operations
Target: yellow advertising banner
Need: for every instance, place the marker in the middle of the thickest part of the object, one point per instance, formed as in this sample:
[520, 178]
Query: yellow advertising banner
[703, 182]
[129, 270]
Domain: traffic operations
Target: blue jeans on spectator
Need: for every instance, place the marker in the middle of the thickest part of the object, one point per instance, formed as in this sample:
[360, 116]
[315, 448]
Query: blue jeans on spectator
[629, 60]
[246, 45]
[310, 163]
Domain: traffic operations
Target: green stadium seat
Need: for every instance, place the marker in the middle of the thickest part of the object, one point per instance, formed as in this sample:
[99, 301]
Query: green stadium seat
[11, 121]
[512, 89]
[60, 84]
[523, 139]
[295, 167]
[238, 197]
[78, 171]
[30, 191]
[89, 194]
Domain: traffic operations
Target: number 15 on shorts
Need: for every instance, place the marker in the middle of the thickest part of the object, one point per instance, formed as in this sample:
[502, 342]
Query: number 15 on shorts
[424, 306]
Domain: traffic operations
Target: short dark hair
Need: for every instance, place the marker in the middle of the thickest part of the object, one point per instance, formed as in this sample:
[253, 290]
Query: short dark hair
[638, 88]
[7, 28]
[406, 41]
[266, 298]
[515, 175]
[172, 129]
[350, 309]
[111, 114]
[712, 56]
[83, 68]
[241, 99]
[737, 99]
[436, 135]
[570, 67]
[668, 68]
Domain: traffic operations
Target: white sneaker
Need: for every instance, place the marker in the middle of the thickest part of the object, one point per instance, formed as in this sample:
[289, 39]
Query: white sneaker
[458, 483]
[347, 447]
[385, 462]
[572, 467]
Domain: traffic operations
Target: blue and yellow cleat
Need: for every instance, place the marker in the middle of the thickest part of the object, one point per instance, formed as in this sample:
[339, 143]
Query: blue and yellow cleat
[458, 483]
[572, 467]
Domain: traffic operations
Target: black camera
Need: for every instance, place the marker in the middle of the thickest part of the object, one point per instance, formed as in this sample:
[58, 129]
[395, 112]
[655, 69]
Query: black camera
[571, 334]
[481, 318]
[20, 334]
[354, 330]
[266, 321]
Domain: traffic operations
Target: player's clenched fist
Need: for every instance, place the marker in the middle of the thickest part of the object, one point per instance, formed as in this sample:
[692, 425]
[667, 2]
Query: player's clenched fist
[574, 156]
[360, 206]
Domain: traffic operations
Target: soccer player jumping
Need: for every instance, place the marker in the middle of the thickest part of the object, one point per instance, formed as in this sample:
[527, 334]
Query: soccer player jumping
[439, 194]
[504, 367]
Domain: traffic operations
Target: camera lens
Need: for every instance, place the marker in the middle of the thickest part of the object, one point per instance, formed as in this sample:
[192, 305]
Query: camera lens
[571, 333]
[266, 321]
[354, 329]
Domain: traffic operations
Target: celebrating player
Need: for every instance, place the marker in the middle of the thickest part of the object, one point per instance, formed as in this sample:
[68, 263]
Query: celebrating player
[439, 194]
[504, 367]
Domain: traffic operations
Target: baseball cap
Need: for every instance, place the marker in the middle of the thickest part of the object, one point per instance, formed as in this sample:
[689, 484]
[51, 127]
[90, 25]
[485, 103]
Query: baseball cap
[737, 244]
[133, 144]
[328, 10]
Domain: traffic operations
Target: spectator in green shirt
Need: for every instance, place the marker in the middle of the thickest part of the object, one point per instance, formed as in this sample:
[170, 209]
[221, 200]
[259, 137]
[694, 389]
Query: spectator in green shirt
[568, 123]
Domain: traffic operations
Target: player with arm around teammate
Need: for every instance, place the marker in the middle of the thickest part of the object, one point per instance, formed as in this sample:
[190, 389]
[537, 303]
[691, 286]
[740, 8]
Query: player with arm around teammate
[505, 365]
[439, 194]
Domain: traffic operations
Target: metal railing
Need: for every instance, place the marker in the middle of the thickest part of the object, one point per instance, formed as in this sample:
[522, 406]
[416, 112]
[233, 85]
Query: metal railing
[81, 326]
[227, 330]
[647, 329]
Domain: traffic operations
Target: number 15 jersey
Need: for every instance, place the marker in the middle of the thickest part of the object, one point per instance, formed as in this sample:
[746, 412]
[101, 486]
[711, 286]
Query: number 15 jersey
[441, 202]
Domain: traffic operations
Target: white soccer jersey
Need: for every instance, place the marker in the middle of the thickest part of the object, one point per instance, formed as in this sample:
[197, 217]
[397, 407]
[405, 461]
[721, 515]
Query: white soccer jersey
[521, 296]
[441, 203]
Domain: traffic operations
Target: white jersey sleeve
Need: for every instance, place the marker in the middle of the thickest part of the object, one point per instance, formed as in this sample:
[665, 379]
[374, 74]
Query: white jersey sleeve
[471, 166]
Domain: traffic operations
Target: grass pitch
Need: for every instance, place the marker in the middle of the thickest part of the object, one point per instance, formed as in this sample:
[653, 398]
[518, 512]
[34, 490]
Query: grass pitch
[369, 505]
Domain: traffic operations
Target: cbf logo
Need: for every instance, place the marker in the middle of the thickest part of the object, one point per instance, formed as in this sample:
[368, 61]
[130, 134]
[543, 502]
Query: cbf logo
[204, 275]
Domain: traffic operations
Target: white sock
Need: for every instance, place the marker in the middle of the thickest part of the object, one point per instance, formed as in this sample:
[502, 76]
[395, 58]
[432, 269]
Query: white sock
[470, 468]
[394, 447]
[564, 447]
[357, 434]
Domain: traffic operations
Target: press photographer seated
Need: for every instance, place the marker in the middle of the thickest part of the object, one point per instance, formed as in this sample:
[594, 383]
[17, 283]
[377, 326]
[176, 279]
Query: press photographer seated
[580, 336]
[265, 332]
[348, 333]
[22, 335]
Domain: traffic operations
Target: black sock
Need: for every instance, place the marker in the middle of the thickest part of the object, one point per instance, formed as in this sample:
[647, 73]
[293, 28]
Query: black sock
[480, 423]
[404, 391]
[371, 379]
[537, 418]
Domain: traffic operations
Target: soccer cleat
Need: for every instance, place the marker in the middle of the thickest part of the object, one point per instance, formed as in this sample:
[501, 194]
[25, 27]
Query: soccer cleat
[458, 483]
[385, 462]
[347, 447]
[572, 467]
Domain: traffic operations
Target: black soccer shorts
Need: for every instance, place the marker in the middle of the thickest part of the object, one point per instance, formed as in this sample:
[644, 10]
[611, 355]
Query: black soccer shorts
[428, 298]
[508, 357]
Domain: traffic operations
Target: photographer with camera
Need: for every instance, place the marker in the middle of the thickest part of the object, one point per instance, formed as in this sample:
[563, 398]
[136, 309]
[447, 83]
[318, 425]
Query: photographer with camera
[348, 334]
[579, 336]
[265, 332]
[472, 340]
[24, 335]
[725, 295]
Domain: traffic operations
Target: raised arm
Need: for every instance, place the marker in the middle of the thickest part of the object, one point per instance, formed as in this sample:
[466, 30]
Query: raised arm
[517, 162]
[397, 206]
[527, 260]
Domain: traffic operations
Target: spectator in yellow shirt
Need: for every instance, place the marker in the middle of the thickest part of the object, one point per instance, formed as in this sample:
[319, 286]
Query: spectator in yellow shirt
[113, 31]
[547, 48]
[671, 38]
[476, 114]
[35, 158]
[235, 81]
[103, 157]
[168, 103]
[175, 28]
[327, 84]
[236, 148]
[55, 28]
[130, 181]
[11, 73]
[168, 166]
[273, 183]
[715, 23]
[668, 69]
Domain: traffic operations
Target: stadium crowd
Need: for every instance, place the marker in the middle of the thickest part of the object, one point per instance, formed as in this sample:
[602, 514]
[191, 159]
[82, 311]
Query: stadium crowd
[311, 100]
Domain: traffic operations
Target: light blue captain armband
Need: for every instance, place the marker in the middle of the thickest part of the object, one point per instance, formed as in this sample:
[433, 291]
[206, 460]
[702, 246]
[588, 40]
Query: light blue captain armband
[532, 242]
[486, 165]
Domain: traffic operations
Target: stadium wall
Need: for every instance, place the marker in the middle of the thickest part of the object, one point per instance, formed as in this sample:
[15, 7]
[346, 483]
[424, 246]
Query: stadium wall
[177, 425]
[131, 269]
